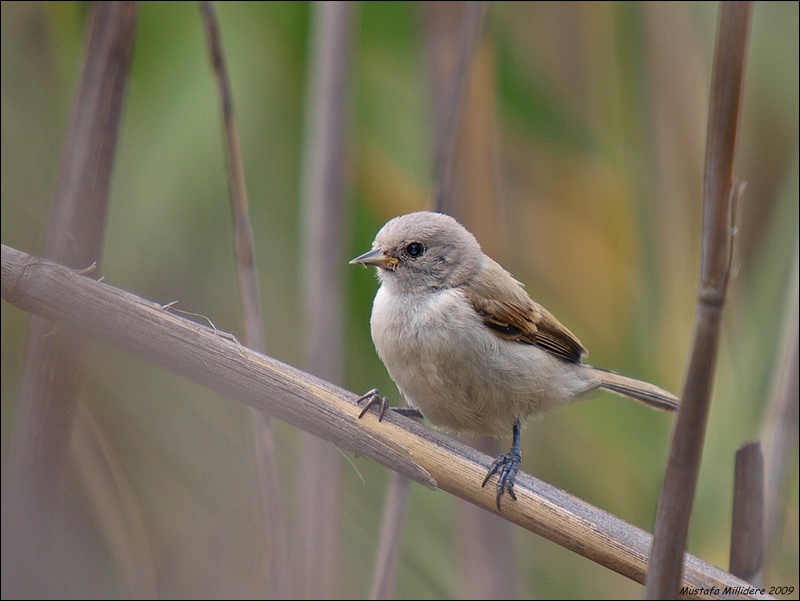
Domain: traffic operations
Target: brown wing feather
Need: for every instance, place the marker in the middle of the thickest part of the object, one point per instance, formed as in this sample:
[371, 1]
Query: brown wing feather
[508, 311]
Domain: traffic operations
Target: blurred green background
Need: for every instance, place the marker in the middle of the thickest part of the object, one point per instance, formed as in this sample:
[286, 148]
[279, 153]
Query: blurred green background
[597, 127]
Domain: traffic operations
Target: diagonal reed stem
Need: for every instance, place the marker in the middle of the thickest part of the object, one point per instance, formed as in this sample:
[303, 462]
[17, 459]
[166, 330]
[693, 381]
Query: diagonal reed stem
[211, 358]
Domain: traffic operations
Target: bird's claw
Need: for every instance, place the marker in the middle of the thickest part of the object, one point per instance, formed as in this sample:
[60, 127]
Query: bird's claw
[506, 467]
[373, 397]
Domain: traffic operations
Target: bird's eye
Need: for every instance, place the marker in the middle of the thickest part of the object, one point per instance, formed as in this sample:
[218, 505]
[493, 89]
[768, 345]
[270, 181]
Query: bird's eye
[415, 249]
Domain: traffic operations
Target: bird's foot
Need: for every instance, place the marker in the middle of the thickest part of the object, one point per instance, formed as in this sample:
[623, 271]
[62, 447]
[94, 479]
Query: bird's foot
[373, 397]
[506, 467]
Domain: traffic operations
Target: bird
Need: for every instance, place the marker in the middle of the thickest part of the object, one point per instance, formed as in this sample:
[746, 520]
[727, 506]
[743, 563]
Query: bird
[466, 345]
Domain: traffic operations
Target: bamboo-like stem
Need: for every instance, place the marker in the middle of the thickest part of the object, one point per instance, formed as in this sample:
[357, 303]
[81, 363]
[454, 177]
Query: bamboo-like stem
[213, 359]
[719, 197]
[463, 77]
[116, 507]
[487, 544]
[279, 581]
[453, 31]
[52, 373]
[747, 527]
[450, 109]
[323, 261]
[780, 431]
[243, 235]
[394, 512]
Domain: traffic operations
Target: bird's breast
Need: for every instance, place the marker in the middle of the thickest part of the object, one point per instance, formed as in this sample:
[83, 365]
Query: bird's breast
[422, 327]
[445, 362]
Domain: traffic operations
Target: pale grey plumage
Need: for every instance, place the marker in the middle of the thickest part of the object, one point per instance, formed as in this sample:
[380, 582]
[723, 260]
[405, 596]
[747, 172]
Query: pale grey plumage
[464, 342]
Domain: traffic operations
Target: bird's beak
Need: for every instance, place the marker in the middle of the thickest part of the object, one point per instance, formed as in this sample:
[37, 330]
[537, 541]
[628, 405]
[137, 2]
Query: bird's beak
[375, 257]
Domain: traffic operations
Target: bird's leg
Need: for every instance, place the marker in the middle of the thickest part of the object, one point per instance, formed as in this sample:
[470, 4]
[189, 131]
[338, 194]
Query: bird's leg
[506, 467]
[407, 412]
[373, 397]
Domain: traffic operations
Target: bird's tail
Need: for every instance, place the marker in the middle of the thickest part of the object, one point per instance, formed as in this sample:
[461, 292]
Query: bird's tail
[647, 394]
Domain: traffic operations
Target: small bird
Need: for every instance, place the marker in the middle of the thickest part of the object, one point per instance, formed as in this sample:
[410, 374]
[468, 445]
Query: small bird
[466, 345]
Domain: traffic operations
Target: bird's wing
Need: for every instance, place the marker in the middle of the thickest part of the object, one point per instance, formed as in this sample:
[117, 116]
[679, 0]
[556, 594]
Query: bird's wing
[507, 310]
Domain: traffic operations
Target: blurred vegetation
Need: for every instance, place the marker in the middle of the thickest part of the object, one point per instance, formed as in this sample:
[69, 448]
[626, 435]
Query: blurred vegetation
[600, 132]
